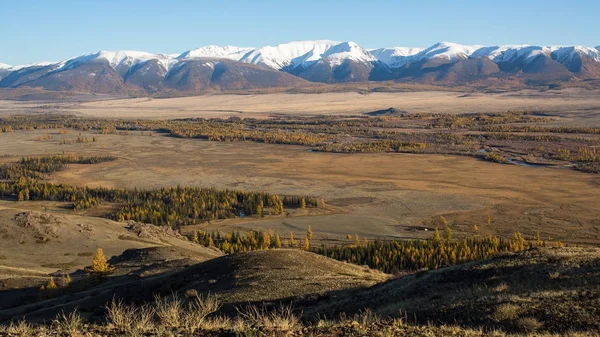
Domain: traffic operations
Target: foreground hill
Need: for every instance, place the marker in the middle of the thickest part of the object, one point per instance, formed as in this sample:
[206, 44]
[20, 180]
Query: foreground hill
[548, 289]
[541, 292]
[213, 68]
[273, 276]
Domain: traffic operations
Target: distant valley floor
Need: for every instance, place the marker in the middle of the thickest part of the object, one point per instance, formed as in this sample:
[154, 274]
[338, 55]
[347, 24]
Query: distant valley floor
[373, 195]
[584, 105]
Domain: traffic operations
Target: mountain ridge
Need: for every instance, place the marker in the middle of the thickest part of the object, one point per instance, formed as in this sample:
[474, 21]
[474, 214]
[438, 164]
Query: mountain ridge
[324, 61]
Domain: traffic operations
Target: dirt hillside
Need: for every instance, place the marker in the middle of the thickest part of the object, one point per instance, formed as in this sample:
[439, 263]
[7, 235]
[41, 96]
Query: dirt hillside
[38, 244]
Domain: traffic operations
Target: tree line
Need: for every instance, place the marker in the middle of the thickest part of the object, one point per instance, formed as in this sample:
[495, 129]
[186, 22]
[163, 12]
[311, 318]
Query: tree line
[389, 256]
[168, 206]
[413, 255]
[235, 242]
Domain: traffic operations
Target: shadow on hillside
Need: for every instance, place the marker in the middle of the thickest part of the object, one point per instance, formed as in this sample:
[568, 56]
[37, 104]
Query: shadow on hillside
[545, 288]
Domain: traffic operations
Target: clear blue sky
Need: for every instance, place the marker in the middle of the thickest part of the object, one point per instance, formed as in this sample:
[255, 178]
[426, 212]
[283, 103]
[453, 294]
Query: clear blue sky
[52, 30]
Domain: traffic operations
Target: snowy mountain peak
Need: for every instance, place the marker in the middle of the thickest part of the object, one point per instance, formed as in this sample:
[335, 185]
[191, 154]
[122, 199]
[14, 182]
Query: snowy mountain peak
[4, 66]
[395, 57]
[289, 54]
[510, 53]
[447, 50]
[336, 54]
[395, 51]
[120, 58]
[226, 52]
[527, 53]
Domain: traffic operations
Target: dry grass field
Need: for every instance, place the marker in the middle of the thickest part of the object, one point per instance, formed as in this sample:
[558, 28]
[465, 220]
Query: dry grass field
[263, 105]
[372, 195]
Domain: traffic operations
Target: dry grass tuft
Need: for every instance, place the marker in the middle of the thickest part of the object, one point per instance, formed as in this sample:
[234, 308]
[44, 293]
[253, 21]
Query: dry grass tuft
[168, 310]
[364, 319]
[502, 287]
[194, 317]
[190, 317]
[528, 324]
[120, 315]
[68, 324]
[21, 329]
[280, 319]
[144, 318]
[130, 319]
[506, 312]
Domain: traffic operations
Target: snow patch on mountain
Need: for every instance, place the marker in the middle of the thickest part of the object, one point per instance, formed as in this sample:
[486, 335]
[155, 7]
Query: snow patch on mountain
[399, 56]
[395, 57]
[290, 54]
[4, 66]
[226, 52]
[564, 54]
[447, 50]
[527, 53]
[31, 65]
[510, 53]
[126, 58]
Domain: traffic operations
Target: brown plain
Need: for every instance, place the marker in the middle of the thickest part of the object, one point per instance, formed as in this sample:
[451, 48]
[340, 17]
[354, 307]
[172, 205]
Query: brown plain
[345, 103]
[372, 195]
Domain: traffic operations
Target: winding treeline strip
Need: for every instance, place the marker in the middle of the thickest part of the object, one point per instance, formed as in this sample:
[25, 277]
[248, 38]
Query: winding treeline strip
[170, 206]
[388, 256]
[412, 255]
[463, 134]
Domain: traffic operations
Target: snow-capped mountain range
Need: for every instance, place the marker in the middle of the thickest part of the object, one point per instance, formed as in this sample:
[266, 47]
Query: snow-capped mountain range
[231, 67]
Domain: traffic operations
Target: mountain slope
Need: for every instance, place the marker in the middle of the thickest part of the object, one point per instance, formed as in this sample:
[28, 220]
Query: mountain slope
[96, 76]
[206, 74]
[136, 72]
